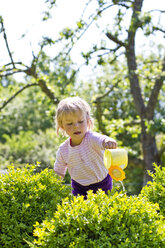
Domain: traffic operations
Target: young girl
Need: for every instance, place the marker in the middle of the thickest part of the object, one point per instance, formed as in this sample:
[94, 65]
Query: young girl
[82, 153]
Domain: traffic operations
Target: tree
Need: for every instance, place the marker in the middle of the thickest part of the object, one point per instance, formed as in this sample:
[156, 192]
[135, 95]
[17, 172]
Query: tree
[39, 70]
[145, 111]
[124, 39]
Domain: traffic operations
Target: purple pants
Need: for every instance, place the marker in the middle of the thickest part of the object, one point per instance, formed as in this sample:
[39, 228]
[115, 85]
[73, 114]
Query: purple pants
[79, 189]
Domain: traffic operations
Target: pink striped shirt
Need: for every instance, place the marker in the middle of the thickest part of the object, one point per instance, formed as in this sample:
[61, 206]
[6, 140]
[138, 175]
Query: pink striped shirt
[85, 161]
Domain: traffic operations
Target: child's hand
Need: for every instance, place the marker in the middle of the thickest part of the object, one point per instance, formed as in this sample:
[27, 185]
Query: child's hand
[109, 144]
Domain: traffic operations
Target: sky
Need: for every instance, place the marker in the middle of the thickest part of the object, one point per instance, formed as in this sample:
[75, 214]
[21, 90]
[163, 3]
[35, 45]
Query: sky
[23, 17]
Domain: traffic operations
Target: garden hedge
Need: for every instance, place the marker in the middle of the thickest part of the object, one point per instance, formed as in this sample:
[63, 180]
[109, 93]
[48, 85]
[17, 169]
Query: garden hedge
[102, 221]
[155, 190]
[26, 197]
[37, 210]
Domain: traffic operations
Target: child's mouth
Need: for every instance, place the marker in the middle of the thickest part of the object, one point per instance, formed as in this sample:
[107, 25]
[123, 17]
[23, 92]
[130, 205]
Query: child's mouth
[77, 133]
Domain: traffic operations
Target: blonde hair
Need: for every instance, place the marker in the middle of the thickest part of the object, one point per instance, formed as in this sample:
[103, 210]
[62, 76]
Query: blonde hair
[72, 105]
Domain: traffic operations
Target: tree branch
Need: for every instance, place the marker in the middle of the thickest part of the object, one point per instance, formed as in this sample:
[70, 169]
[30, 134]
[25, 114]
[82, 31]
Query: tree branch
[8, 71]
[30, 71]
[6, 41]
[12, 72]
[154, 10]
[115, 39]
[107, 93]
[154, 95]
[90, 20]
[159, 29]
[17, 93]
[47, 91]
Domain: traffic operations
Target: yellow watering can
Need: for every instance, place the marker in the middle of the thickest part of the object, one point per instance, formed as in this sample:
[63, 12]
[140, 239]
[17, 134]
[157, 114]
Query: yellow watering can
[115, 161]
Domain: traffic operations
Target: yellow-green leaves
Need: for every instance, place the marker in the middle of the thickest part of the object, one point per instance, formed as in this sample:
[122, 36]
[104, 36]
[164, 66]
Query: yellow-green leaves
[26, 198]
[102, 221]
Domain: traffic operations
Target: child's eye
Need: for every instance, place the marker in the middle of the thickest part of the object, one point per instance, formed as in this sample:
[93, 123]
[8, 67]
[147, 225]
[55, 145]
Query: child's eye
[81, 121]
[69, 124]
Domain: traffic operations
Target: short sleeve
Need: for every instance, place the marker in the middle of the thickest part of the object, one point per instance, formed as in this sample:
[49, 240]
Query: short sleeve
[97, 139]
[60, 166]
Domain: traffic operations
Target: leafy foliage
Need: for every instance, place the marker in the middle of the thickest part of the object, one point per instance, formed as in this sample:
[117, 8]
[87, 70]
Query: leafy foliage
[26, 197]
[102, 221]
[29, 147]
[37, 210]
[29, 111]
[155, 191]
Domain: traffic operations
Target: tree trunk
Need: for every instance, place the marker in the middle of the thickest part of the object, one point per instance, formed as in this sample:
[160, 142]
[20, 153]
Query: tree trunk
[150, 153]
[149, 149]
[145, 109]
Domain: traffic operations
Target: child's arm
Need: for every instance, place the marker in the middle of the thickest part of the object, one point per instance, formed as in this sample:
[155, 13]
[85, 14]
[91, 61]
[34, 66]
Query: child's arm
[109, 143]
[59, 165]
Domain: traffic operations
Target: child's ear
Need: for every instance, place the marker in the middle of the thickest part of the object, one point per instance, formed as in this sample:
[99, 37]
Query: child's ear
[61, 125]
[62, 128]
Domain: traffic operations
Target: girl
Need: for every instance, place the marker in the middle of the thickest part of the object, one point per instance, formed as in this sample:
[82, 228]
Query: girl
[82, 153]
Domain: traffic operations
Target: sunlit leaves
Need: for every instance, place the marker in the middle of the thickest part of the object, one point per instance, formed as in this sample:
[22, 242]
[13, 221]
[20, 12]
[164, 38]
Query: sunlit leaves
[66, 33]
[27, 197]
[99, 221]
[80, 24]
[155, 191]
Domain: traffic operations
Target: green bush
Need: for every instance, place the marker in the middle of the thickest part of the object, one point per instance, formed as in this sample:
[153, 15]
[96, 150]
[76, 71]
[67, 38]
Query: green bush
[102, 221]
[26, 197]
[155, 190]
[29, 147]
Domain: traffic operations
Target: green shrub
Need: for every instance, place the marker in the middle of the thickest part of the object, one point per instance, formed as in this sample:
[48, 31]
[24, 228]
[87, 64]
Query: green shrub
[102, 221]
[155, 190]
[29, 147]
[26, 197]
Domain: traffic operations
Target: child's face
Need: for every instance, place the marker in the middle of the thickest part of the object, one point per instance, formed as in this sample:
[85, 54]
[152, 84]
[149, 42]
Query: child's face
[75, 125]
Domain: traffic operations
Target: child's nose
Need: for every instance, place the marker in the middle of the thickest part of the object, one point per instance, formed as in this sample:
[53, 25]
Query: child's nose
[76, 124]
